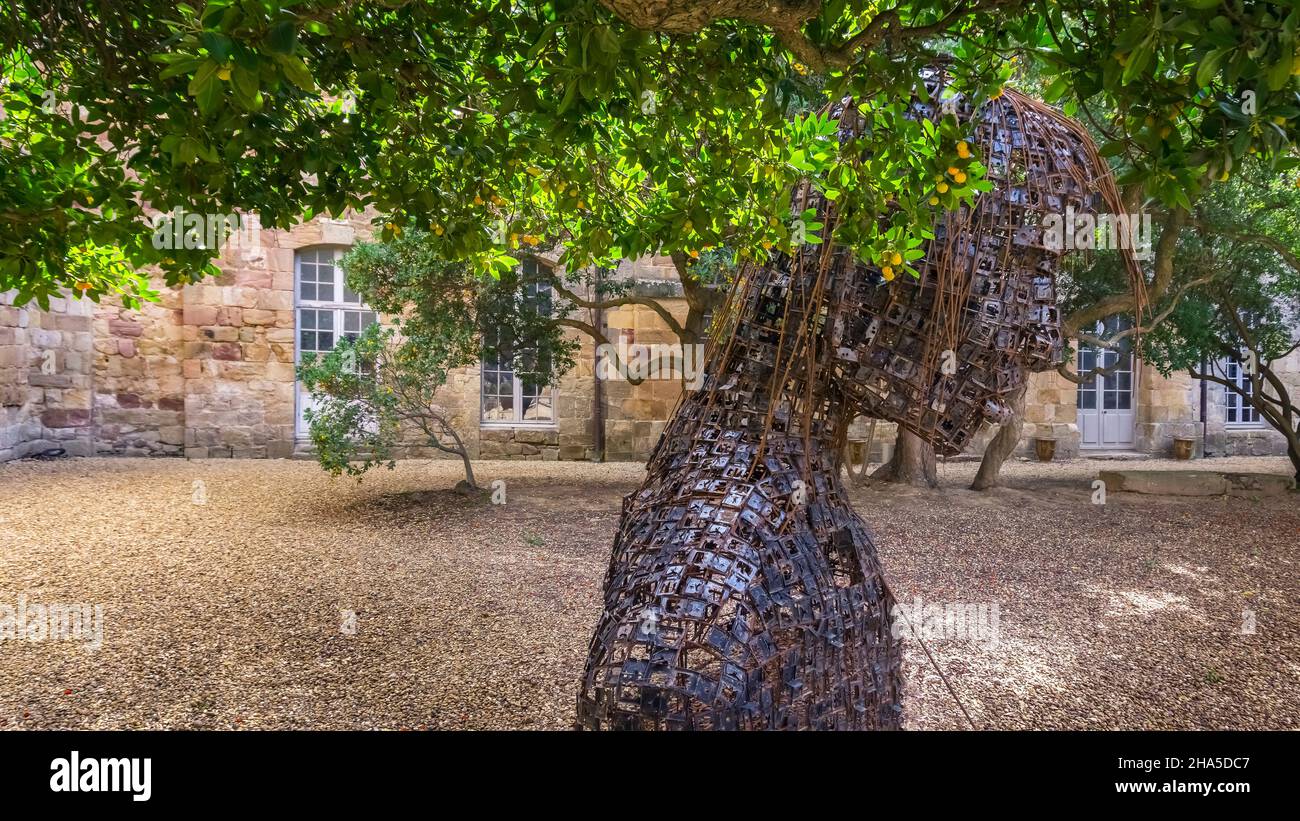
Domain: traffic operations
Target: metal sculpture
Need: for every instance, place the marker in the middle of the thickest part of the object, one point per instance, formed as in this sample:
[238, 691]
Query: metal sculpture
[743, 591]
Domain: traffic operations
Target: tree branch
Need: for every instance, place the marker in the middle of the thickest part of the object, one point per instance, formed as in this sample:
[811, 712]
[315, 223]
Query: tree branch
[595, 333]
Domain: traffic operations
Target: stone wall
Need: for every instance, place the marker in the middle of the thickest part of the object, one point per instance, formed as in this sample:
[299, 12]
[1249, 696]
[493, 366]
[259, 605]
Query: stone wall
[45, 378]
[208, 371]
[1051, 412]
[138, 380]
[1166, 407]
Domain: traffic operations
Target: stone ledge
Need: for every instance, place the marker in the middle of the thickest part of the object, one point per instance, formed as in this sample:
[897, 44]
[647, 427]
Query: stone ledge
[1196, 483]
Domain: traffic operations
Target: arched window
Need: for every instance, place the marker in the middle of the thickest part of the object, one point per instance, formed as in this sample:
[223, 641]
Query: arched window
[326, 309]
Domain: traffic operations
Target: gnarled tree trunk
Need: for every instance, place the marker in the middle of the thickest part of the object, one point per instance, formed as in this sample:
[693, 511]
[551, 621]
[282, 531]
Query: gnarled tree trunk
[911, 464]
[1002, 445]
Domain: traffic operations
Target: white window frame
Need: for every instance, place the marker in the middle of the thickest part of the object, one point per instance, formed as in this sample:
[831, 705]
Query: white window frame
[1233, 400]
[517, 400]
[337, 306]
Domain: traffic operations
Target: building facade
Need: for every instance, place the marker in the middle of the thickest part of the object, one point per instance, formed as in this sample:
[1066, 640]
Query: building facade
[208, 371]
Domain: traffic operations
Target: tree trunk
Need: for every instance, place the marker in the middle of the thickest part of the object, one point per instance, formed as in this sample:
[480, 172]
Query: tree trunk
[1002, 445]
[469, 470]
[911, 464]
[463, 452]
[1293, 452]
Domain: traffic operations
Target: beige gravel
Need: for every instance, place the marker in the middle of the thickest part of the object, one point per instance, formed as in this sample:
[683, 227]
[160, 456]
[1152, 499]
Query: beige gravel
[235, 613]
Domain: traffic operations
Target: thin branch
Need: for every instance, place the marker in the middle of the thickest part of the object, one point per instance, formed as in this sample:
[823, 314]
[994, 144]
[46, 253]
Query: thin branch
[595, 333]
[647, 302]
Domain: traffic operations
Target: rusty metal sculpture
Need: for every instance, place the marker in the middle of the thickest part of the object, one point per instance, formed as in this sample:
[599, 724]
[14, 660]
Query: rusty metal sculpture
[743, 591]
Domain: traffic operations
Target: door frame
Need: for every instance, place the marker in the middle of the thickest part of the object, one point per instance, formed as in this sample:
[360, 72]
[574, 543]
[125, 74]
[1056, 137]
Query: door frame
[1099, 386]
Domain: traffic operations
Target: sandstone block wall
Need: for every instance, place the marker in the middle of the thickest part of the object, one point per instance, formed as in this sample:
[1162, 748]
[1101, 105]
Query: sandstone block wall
[46, 400]
[208, 371]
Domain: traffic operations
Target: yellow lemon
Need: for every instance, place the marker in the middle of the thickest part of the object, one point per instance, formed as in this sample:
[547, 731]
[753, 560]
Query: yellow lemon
[953, 170]
[688, 225]
[942, 188]
[478, 200]
[960, 177]
[934, 200]
[1279, 120]
[896, 259]
[224, 72]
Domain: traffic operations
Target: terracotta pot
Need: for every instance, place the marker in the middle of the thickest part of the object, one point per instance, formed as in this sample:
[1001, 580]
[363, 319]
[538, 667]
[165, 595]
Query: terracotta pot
[1045, 448]
[1183, 448]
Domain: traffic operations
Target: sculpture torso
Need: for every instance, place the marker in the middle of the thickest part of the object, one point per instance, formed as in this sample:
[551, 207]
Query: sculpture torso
[744, 592]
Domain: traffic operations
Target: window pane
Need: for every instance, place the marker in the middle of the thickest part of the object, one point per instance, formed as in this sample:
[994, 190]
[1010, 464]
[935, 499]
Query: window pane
[537, 408]
[499, 408]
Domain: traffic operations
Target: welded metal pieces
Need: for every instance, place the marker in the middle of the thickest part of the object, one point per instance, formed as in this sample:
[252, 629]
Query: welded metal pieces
[743, 591]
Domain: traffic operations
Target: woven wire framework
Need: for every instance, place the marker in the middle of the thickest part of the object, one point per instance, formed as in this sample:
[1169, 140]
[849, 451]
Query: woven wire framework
[743, 591]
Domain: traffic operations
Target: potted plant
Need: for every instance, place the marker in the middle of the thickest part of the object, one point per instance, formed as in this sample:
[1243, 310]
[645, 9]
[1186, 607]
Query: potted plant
[1045, 448]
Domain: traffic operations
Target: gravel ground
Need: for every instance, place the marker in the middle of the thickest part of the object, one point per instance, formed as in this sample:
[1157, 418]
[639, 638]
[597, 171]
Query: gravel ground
[236, 613]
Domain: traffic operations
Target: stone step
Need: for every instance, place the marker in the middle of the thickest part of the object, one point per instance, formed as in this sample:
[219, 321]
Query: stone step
[1196, 482]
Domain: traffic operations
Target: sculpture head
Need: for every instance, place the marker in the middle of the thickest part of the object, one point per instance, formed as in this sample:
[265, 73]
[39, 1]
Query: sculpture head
[828, 338]
[942, 354]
